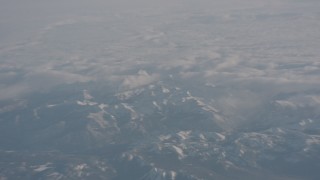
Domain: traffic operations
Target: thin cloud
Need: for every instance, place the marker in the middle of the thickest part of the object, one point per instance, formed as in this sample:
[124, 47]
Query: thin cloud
[140, 79]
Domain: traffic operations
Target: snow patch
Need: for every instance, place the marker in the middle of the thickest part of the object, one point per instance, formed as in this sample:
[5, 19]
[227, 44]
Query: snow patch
[222, 137]
[302, 123]
[305, 122]
[103, 106]
[81, 103]
[172, 175]
[156, 105]
[184, 134]
[280, 130]
[86, 103]
[241, 152]
[42, 167]
[165, 90]
[87, 95]
[313, 140]
[80, 168]
[200, 103]
[155, 174]
[55, 176]
[179, 151]
[164, 137]
[134, 114]
[99, 119]
[128, 157]
[202, 137]
[51, 105]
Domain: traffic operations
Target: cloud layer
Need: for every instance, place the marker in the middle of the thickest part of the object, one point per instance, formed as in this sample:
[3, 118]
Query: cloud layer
[250, 46]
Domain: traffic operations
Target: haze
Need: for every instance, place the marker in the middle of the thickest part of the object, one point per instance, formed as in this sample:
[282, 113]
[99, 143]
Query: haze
[150, 89]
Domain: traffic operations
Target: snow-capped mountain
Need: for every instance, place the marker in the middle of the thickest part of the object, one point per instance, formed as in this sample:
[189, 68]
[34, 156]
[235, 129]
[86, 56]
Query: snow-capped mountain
[156, 131]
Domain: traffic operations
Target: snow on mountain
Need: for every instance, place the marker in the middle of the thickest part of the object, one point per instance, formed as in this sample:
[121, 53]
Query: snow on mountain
[164, 140]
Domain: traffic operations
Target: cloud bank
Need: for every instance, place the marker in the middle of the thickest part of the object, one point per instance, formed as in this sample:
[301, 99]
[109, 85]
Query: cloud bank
[254, 48]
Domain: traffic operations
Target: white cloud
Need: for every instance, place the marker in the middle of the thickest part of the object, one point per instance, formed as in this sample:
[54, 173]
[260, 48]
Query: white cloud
[227, 63]
[38, 81]
[14, 91]
[49, 78]
[241, 51]
[140, 79]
